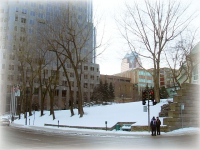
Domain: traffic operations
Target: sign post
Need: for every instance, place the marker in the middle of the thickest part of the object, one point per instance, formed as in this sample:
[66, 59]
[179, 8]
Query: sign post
[182, 108]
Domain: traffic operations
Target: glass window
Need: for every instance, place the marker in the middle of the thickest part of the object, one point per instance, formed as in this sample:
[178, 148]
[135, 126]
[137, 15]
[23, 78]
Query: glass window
[195, 73]
[33, 4]
[23, 20]
[16, 18]
[17, 9]
[41, 6]
[32, 13]
[24, 11]
[32, 22]
[40, 15]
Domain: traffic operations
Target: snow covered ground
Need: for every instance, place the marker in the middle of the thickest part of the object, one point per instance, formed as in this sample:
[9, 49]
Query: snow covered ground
[96, 116]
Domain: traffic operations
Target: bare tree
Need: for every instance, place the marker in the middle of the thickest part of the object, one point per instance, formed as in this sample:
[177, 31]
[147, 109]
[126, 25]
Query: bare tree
[182, 58]
[71, 41]
[149, 28]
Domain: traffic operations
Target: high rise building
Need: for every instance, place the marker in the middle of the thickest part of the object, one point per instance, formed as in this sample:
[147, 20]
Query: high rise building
[130, 61]
[21, 25]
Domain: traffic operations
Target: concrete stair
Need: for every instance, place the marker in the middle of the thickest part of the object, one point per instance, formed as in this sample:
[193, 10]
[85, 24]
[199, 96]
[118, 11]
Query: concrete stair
[188, 95]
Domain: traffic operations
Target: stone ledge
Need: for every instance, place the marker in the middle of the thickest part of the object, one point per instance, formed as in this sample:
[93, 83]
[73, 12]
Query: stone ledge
[146, 128]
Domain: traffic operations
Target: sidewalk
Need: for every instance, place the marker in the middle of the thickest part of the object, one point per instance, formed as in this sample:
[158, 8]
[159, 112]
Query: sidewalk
[113, 133]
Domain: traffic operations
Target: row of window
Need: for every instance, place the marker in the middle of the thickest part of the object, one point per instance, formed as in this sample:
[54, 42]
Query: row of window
[11, 77]
[56, 92]
[11, 56]
[144, 73]
[145, 81]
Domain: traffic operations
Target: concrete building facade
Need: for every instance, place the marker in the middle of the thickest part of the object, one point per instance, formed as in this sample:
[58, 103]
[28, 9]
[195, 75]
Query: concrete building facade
[20, 21]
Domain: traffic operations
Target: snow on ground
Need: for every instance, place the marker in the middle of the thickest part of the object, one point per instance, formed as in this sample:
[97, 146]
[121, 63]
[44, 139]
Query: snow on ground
[96, 116]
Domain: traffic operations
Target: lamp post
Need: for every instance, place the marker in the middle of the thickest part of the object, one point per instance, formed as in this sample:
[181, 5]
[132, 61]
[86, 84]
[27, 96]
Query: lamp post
[27, 92]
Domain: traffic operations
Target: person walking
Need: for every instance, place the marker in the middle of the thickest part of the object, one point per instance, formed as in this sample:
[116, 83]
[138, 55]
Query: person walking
[158, 123]
[153, 126]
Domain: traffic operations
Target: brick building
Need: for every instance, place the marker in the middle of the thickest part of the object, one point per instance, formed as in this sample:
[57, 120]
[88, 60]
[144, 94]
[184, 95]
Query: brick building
[122, 86]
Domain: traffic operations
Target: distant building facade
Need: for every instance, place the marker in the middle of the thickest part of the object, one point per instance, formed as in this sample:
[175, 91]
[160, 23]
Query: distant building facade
[130, 61]
[139, 77]
[167, 78]
[122, 86]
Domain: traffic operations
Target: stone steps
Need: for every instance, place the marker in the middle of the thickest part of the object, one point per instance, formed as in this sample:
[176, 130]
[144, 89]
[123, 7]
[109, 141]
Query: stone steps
[189, 97]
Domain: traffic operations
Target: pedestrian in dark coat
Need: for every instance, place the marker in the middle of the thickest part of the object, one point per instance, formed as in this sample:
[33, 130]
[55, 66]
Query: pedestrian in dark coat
[158, 123]
[153, 126]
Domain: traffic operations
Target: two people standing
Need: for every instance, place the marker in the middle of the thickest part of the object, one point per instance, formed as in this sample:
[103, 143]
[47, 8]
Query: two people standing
[155, 125]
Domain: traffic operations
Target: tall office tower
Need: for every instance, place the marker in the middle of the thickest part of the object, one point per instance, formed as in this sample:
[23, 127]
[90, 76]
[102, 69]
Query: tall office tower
[130, 61]
[34, 34]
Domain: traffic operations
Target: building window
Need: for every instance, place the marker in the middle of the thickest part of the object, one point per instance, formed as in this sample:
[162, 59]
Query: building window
[22, 29]
[32, 13]
[33, 4]
[19, 78]
[17, 9]
[41, 6]
[16, 18]
[72, 75]
[195, 74]
[24, 11]
[12, 57]
[92, 77]
[85, 85]
[22, 39]
[64, 93]
[64, 83]
[85, 76]
[85, 67]
[91, 68]
[23, 20]
[11, 67]
[10, 77]
[32, 22]
[40, 15]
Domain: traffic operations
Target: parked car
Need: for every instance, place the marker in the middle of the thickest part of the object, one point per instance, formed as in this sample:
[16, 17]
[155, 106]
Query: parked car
[5, 121]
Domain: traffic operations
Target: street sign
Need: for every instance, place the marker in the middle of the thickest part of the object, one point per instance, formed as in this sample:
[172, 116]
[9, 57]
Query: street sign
[182, 106]
[144, 108]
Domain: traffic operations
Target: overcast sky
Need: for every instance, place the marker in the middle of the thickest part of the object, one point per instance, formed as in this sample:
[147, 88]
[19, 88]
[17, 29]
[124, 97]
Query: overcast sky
[110, 60]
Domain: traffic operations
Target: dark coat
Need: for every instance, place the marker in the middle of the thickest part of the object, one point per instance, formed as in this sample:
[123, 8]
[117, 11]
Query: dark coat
[158, 122]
